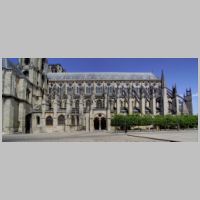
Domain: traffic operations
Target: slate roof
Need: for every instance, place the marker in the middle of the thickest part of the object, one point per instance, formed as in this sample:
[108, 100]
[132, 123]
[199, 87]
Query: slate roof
[101, 76]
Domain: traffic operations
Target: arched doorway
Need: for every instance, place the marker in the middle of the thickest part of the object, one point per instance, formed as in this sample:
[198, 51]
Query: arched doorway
[100, 122]
[96, 123]
[61, 120]
[103, 123]
[49, 121]
[28, 123]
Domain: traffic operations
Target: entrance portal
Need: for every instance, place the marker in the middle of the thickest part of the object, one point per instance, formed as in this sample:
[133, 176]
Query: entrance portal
[28, 123]
[100, 123]
[103, 123]
[96, 123]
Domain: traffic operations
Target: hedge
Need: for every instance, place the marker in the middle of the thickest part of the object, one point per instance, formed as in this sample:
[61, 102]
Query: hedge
[162, 122]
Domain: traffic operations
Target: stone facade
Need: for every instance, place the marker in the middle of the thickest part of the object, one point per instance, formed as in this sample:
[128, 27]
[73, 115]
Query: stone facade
[23, 88]
[38, 97]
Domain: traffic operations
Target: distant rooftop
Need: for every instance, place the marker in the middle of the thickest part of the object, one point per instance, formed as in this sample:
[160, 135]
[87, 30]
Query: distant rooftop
[102, 76]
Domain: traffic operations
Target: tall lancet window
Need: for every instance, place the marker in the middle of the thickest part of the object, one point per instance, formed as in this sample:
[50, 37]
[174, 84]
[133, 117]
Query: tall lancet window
[88, 90]
[110, 89]
[88, 104]
[61, 120]
[99, 89]
[77, 104]
[99, 104]
[49, 121]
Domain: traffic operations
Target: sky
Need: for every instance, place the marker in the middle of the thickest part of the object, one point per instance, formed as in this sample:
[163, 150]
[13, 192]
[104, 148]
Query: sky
[180, 71]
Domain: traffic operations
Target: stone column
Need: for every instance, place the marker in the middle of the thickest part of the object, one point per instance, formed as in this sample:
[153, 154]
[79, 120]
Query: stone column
[91, 117]
[177, 106]
[55, 110]
[81, 105]
[87, 122]
[130, 106]
[94, 86]
[21, 118]
[81, 111]
[39, 80]
[91, 121]
[108, 120]
[164, 101]
[66, 124]
[142, 105]
[7, 116]
[43, 116]
[106, 99]
[153, 104]
[67, 115]
[118, 105]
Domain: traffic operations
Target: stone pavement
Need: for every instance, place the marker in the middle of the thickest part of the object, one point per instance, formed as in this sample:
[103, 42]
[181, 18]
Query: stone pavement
[162, 136]
[176, 136]
[73, 138]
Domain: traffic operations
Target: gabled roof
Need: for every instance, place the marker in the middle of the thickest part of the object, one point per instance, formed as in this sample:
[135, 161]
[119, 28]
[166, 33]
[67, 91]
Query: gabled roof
[102, 76]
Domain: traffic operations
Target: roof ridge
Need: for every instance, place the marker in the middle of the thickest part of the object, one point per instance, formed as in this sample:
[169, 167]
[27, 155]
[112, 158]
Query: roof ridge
[102, 76]
[101, 72]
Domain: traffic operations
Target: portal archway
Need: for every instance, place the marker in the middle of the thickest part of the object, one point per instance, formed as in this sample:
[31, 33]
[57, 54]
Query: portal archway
[103, 123]
[100, 122]
[96, 123]
[28, 123]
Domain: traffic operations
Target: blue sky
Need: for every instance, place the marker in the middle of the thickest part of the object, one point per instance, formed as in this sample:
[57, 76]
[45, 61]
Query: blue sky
[180, 71]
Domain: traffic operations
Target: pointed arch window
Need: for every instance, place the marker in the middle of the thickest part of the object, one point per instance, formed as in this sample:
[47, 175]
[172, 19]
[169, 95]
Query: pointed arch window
[61, 120]
[27, 61]
[77, 104]
[49, 121]
[88, 90]
[38, 120]
[99, 104]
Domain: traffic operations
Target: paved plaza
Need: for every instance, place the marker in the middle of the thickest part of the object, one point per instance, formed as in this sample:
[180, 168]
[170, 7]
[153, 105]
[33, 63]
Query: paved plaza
[173, 136]
[161, 136]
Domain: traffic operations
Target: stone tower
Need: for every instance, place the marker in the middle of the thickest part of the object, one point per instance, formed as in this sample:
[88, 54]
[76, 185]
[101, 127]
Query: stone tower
[188, 101]
[175, 101]
[35, 69]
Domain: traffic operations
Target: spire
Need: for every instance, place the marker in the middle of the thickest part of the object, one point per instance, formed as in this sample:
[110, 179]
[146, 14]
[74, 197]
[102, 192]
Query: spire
[162, 79]
[188, 92]
[175, 90]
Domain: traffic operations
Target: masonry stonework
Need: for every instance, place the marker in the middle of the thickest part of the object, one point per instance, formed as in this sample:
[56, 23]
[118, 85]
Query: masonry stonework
[38, 97]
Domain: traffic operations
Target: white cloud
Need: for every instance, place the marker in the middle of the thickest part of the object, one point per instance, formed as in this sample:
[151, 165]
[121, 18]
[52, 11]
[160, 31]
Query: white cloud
[195, 95]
